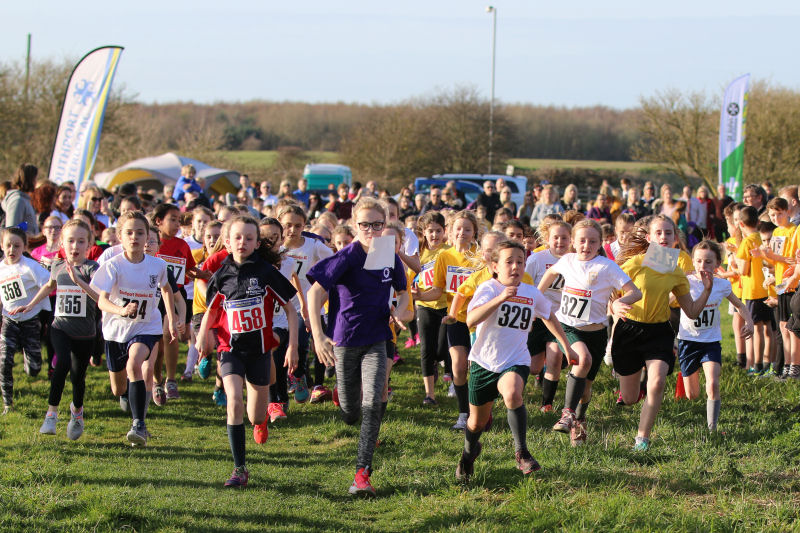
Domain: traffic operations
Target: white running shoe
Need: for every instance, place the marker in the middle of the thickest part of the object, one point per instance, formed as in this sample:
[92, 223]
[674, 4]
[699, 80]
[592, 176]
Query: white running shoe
[75, 426]
[451, 390]
[461, 423]
[49, 424]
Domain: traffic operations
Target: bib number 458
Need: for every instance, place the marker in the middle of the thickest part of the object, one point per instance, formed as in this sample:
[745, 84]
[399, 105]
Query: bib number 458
[245, 320]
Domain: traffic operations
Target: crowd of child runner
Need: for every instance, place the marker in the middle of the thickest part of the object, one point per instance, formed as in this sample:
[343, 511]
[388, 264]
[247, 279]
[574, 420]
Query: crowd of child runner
[489, 305]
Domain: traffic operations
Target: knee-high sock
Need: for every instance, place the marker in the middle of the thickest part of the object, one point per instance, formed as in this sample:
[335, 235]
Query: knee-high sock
[574, 392]
[518, 422]
[236, 440]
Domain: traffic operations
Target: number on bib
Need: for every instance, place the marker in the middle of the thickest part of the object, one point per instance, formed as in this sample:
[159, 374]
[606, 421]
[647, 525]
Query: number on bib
[575, 306]
[12, 290]
[426, 274]
[177, 266]
[70, 302]
[245, 315]
[558, 283]
[455, 277]
[706, 319]
[514, 316]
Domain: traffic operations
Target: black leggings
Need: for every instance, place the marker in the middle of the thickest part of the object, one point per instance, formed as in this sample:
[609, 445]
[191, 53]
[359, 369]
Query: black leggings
[278, 390]
[433, 339]
[73, 358]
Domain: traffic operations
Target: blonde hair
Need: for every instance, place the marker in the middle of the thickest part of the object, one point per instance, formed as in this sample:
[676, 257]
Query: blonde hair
[368, 202]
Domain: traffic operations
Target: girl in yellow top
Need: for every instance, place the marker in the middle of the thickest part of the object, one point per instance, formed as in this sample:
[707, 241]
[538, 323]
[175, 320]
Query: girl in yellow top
[453, 266]
[432, 334]
[731, 246]
[645, 337]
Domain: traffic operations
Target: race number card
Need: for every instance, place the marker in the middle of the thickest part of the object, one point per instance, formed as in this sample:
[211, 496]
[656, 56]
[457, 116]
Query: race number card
[456, 276]
[245, 315]
[380, 254]
[70, 301]
[12, 289]
[576, 303]
[660, 258]
[426, 275]
[176, 265]
[142, 299]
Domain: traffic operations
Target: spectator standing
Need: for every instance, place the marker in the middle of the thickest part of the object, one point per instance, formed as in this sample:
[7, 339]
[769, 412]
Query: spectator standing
[435, 203]
[301, 194]
[342, 207]
[548, 205]
[17, 202]
[186, 183]
[266, 193]
[489, 199]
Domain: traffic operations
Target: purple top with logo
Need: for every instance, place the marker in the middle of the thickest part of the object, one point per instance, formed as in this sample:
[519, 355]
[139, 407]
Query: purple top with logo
[358, 299]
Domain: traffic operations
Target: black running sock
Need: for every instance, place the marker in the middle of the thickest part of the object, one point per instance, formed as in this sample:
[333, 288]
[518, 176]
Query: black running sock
[383, 409]
[759, 367]
[549, 388]
[580, 411]
[643, 381]
[236, 440]
[712, 413]
[741, 360]
[462, 395]
[574, 391]
[518, 422]
[471, 441]
[137, 395]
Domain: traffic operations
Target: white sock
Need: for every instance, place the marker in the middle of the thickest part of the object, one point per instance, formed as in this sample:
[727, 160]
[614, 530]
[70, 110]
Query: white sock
[191, 360]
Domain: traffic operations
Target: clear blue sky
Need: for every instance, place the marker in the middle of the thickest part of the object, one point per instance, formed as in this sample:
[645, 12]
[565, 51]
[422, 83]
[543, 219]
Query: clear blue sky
[563, 53]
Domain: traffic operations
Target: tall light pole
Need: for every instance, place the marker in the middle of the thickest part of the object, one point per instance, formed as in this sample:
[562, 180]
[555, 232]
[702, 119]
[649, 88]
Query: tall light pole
[493, 11]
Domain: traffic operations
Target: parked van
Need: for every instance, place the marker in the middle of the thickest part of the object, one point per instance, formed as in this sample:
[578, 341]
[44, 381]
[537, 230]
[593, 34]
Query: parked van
[517, 184]
[325, 176]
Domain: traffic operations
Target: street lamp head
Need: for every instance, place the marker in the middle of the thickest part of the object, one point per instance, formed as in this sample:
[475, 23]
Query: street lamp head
[489, 9]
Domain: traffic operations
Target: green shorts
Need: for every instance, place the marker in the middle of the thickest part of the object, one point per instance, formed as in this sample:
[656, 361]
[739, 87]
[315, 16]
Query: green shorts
[483, 383]
[539, 337]
[595, 341]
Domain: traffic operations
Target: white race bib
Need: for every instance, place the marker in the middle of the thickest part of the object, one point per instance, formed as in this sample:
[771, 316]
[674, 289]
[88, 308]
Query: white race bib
[144, 303]
[12, 289]
[778, 244]
[426, 275]
[660, 258]
[70, 301]
[176, 265]
[707, 319]
[245, 315]
[576, 303]
[456, 276]
[516, 313]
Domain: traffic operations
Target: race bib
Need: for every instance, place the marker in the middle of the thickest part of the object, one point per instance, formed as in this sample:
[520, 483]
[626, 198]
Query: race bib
[70, 301]
[426, 275]
[660, 258]
[576, 303]
[778, 244]
[245, 315]
[142, 299]
[707, 319]
[516, 313]
[12, 289]
[176, 265]
[301, 261]
[456, 276]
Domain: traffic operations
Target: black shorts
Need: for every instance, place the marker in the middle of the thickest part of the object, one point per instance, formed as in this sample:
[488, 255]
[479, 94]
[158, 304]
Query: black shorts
[252, 366]
[633, 343]
[539, 337]
[189, 303]
[793, 324]
[117, 352]
[458, 335]
[784, 306]
[181, 293]
[483, 382]
[595, 341]
[692, 355]
[760, 311]
[391, 348]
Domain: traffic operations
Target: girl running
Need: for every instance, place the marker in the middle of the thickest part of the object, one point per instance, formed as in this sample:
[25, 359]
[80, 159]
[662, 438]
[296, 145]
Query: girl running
[503, 309]
[178, 256]
[644, 338]
[358, 302]
[453, 266]
[588, 280]
[699, 339]
[73, 326]
[241, 298]
[47, 254]
[541, 344]
[128, 286]
[432, 333]
[306, 253]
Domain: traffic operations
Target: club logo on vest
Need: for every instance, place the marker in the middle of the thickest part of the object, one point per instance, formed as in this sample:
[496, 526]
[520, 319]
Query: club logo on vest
[253, 288]
[387, 274]
[153, 281]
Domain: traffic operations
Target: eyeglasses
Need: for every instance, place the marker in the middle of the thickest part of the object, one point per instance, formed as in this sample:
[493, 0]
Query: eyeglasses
[97, 198]
[376, 226]
[52, 227]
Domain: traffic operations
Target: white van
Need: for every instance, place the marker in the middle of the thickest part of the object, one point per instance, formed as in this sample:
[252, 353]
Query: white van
[517, 184]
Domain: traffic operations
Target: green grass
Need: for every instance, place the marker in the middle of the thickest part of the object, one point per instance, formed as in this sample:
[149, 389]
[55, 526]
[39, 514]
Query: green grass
[743, 478]
[535, 164]
[264, 160]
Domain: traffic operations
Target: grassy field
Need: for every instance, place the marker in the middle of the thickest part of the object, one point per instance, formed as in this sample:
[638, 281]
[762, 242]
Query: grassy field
[744, 478]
